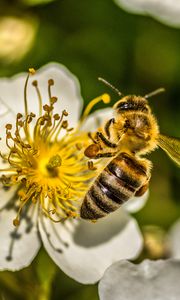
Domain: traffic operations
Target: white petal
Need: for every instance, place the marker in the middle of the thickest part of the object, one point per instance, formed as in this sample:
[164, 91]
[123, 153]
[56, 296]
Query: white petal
[66, 88]
[97, 119]
[151, 280]
[92, 247]
[136, 203]
[167, 11]
[174, 240]
[18, 245]
[6, 195]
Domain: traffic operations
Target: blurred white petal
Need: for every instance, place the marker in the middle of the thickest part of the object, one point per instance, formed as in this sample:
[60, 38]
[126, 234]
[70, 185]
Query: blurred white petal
[66, 88]
[19, 245]
[97, 119]
[150, 280]
[136, 203]
[174, 240]
[17, 35]
[91, 247]
[167, 11]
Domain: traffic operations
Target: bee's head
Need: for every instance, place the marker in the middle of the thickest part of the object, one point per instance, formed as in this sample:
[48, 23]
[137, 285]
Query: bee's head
[132, 103]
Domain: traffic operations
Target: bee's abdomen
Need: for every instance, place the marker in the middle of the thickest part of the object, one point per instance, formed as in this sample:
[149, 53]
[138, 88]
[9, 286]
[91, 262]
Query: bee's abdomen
[117, 183]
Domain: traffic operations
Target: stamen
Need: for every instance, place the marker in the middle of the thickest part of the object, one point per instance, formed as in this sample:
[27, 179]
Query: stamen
[105, 98]
[35, 84]
[47, 171]
[31, 72]
[50, 83]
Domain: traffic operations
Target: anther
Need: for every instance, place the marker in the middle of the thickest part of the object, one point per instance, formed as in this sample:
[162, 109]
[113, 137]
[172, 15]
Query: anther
[51, 82]
[19, 116]
[56, 117]
[8, 126]
[29, 119]
[35, 83]
[65, 124]
[65, 113]
[32, 115]
[16, 222]
[46, 108]
[53, 100]
[32, 71]
[106, 98]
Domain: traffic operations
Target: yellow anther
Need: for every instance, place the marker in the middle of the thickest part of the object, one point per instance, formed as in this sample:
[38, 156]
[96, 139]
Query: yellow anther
[54, 162]
[32, 71]
[106, 98]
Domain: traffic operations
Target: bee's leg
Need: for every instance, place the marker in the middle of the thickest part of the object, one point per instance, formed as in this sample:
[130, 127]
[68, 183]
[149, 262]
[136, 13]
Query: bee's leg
[142, 190]
[101, 136]
[107, 127]
[91, 137]
[91, 165]
[106, 154]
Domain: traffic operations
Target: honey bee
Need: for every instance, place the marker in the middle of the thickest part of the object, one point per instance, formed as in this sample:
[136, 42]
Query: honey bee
[129, 135]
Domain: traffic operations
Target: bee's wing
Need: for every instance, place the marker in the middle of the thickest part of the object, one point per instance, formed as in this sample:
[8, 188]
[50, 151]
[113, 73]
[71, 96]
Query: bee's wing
[171, 146]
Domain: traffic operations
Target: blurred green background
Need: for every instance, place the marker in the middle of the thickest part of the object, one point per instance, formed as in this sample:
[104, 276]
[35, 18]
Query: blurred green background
[135, 53]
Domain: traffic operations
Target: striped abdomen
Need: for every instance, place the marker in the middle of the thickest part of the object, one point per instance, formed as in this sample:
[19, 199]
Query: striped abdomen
[122, 178]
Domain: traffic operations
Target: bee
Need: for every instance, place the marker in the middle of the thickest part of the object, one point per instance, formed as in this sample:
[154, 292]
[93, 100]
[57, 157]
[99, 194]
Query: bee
[126, 138]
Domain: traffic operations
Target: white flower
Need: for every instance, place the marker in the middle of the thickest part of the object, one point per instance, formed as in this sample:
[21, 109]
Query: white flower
[166, 11]
[174, 240]
[48, 177]
[150, 280]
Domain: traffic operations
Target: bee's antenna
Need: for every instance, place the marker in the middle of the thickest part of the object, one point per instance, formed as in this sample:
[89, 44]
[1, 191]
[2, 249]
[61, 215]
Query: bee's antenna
[156, 92]
[110, 85]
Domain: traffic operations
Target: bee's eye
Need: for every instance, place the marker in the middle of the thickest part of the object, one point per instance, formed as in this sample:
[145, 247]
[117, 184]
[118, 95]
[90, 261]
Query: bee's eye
[125, 106]
[129, 105]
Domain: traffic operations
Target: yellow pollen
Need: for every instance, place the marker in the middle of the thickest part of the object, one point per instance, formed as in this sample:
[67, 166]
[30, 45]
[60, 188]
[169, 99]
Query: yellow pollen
[54, 162]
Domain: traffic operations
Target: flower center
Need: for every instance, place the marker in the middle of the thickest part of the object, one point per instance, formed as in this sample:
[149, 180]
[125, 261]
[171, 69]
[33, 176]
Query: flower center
[48, 170]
